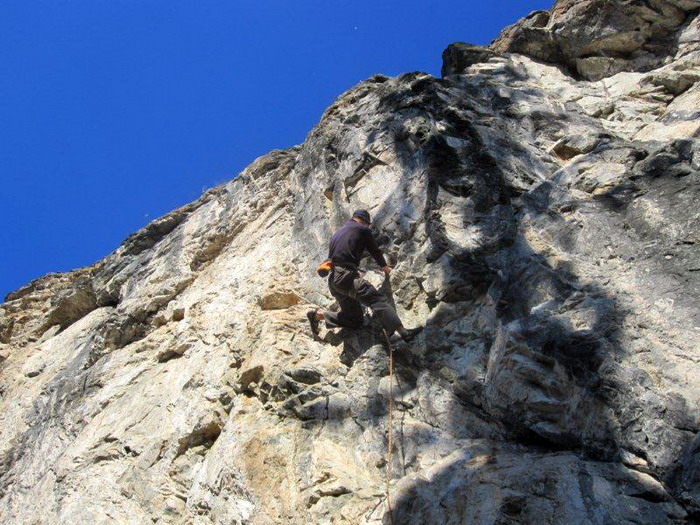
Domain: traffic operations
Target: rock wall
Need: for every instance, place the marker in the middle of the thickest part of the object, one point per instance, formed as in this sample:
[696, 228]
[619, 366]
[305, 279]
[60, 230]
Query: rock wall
[545, 231]
[598, 38]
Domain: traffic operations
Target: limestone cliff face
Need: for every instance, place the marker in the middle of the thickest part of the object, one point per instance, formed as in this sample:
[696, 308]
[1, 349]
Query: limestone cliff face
[545, 230]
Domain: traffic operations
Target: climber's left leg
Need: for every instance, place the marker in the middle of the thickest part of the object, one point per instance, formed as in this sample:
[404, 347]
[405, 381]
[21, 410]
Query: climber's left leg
[368, 295]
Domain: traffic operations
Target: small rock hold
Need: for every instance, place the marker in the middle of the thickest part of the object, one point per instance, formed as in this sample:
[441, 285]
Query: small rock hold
[34, 369]
[571, 146]
[173, 352]
[248, 377]
[178, 314]
[279, 300]
[308, 376]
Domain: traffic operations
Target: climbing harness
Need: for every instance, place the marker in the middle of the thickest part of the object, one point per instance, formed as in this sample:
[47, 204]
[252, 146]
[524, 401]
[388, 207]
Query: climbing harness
[390, 440]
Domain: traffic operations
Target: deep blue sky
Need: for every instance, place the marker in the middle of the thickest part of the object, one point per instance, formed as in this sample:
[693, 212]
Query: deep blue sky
[114, 112]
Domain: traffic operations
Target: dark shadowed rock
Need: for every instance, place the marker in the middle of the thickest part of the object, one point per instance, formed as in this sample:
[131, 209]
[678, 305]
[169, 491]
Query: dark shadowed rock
[459, 56]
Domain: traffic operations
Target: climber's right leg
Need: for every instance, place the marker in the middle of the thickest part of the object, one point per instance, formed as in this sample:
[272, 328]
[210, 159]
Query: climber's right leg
[382, 308]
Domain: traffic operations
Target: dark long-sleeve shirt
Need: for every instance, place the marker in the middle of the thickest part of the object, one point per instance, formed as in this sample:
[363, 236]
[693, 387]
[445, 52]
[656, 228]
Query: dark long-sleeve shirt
[349, 243]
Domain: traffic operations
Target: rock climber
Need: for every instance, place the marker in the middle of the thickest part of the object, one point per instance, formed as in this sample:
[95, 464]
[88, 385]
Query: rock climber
[346, 249]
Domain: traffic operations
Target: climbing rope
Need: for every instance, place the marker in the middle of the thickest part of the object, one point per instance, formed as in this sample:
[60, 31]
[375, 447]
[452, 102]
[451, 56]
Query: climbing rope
[390, 444]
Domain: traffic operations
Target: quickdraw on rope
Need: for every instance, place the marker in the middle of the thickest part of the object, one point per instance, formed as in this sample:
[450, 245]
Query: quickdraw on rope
[390, 440]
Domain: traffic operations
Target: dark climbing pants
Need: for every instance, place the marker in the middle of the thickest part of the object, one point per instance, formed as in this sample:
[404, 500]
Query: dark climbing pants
[352, 291]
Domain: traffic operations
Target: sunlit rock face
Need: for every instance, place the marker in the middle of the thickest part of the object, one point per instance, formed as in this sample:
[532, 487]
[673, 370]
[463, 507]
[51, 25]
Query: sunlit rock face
[544, 229]
[598, 38]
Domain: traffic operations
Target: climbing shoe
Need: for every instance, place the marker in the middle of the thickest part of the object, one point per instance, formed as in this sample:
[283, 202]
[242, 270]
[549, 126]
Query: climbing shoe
[311, 316]
[410, 334]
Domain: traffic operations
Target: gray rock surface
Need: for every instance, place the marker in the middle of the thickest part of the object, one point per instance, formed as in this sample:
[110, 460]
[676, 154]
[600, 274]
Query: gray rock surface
[545, 231]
